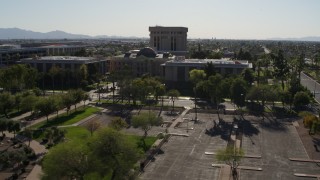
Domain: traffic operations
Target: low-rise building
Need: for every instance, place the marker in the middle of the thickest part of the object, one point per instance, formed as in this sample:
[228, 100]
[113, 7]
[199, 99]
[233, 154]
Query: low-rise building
[140, 62]
[44, 64]
[178, 70]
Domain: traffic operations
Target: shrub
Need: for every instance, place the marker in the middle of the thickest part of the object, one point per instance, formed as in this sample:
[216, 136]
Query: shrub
[308, 120]
[25, 162]
[304, 114]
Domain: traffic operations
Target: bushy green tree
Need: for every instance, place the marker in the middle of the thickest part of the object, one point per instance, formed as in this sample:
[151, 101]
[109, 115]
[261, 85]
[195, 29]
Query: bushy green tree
[45, 106]
[115, 151]
[71, 160]
[173, 95]
[301, 99]
[7, 102]
[145, 121]
[231, 156]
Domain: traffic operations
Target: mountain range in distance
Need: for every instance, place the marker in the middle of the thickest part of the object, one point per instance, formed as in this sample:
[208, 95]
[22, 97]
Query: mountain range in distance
[16, 33]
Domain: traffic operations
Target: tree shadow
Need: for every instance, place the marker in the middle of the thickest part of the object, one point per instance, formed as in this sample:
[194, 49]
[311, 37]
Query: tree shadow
[316, 142]
[248, 128]
[222, 129]
[273, 125]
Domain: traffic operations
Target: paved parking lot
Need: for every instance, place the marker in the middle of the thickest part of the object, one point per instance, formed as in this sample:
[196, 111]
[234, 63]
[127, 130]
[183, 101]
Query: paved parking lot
[275, 142]
[183, 157]
[276, 146]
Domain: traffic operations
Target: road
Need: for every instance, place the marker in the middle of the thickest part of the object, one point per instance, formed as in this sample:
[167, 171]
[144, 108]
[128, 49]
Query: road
[312, 85]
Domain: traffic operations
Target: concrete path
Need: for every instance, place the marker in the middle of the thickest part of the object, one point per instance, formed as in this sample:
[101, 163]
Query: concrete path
[179, 119]
[39, 149]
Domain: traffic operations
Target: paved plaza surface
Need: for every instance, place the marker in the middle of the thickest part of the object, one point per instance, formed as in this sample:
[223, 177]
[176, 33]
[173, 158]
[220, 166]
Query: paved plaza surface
[270, 142]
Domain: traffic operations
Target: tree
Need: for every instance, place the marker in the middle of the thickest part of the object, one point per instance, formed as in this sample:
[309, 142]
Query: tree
[70, 160]
[7, 102]
[85, 97]
[28, 134]
[28, 102]
[231, 156]
[54, 135]
[45, 106]
[53, 72]
[238, 92]
[17, 99]
[173, 95]
[247, 75]
[301, 99]
[196, 77]
[281, 69]
[213, 87]
[209, 69]
[114, 150]
[77, 96]
[118, 124]
[14, 127]
[145, 121]
[92, 126]
[3, 126]
[67, 101]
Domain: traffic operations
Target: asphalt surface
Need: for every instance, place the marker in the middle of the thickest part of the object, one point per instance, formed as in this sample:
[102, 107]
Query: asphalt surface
[184, 157]
[276, 145]
[275, 141]
[312, 85]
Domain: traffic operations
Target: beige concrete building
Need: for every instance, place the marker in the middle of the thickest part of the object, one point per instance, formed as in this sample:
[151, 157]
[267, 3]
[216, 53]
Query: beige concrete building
[169, 39]
[140, 62]
[178, 70]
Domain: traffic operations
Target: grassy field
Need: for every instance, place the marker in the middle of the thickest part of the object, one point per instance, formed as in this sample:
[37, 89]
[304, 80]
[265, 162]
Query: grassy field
[81, 133]
[69, 119]
[76, 133]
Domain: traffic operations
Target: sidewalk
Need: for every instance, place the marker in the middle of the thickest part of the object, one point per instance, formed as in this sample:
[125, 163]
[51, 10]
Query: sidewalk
[179, 119]
[309, 141]
[38, 150]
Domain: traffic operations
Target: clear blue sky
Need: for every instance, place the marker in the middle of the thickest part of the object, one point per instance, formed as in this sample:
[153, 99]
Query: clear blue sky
[230, 19]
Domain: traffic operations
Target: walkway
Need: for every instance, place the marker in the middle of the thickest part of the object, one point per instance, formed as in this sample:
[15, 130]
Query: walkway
[171, 129]
[39, 149]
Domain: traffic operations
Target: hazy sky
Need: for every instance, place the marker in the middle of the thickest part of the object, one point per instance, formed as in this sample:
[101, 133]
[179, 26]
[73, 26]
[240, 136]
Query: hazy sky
[230, 19]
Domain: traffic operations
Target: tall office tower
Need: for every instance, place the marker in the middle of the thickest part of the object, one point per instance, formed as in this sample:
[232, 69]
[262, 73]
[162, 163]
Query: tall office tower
[169, 39]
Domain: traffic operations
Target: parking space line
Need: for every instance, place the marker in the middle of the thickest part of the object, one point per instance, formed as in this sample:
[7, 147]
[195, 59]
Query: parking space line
[192, 150]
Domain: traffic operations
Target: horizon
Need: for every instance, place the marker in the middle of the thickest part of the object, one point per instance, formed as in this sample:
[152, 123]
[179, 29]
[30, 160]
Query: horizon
[245, 20]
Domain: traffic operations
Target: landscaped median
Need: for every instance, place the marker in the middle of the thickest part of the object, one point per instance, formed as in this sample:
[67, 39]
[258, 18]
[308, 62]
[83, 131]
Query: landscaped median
[67, 119]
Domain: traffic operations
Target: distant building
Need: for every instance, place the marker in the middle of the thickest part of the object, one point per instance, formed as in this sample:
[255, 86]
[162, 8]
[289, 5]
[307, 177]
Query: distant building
[44, 64]
[169, 39]
[178, 70]
[9, 54]
[62, 50]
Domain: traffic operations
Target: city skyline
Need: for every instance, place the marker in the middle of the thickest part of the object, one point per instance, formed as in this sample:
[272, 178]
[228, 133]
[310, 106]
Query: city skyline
[229, 19]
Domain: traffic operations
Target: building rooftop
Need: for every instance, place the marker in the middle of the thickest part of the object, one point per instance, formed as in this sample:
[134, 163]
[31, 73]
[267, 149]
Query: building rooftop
[221, 62]
[61, 58]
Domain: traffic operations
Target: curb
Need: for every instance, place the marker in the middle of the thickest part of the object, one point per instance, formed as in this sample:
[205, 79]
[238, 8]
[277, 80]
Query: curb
[304, 160]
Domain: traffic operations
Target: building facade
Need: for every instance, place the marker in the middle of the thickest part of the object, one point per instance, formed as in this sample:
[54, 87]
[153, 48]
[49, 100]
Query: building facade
[44, 64]
[144, 61]
[178, 70]
[169, 39]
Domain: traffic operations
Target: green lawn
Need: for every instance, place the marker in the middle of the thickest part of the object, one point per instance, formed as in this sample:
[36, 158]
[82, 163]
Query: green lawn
[69, 119]
[81, 133]
[137, 139]
[76, 133]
